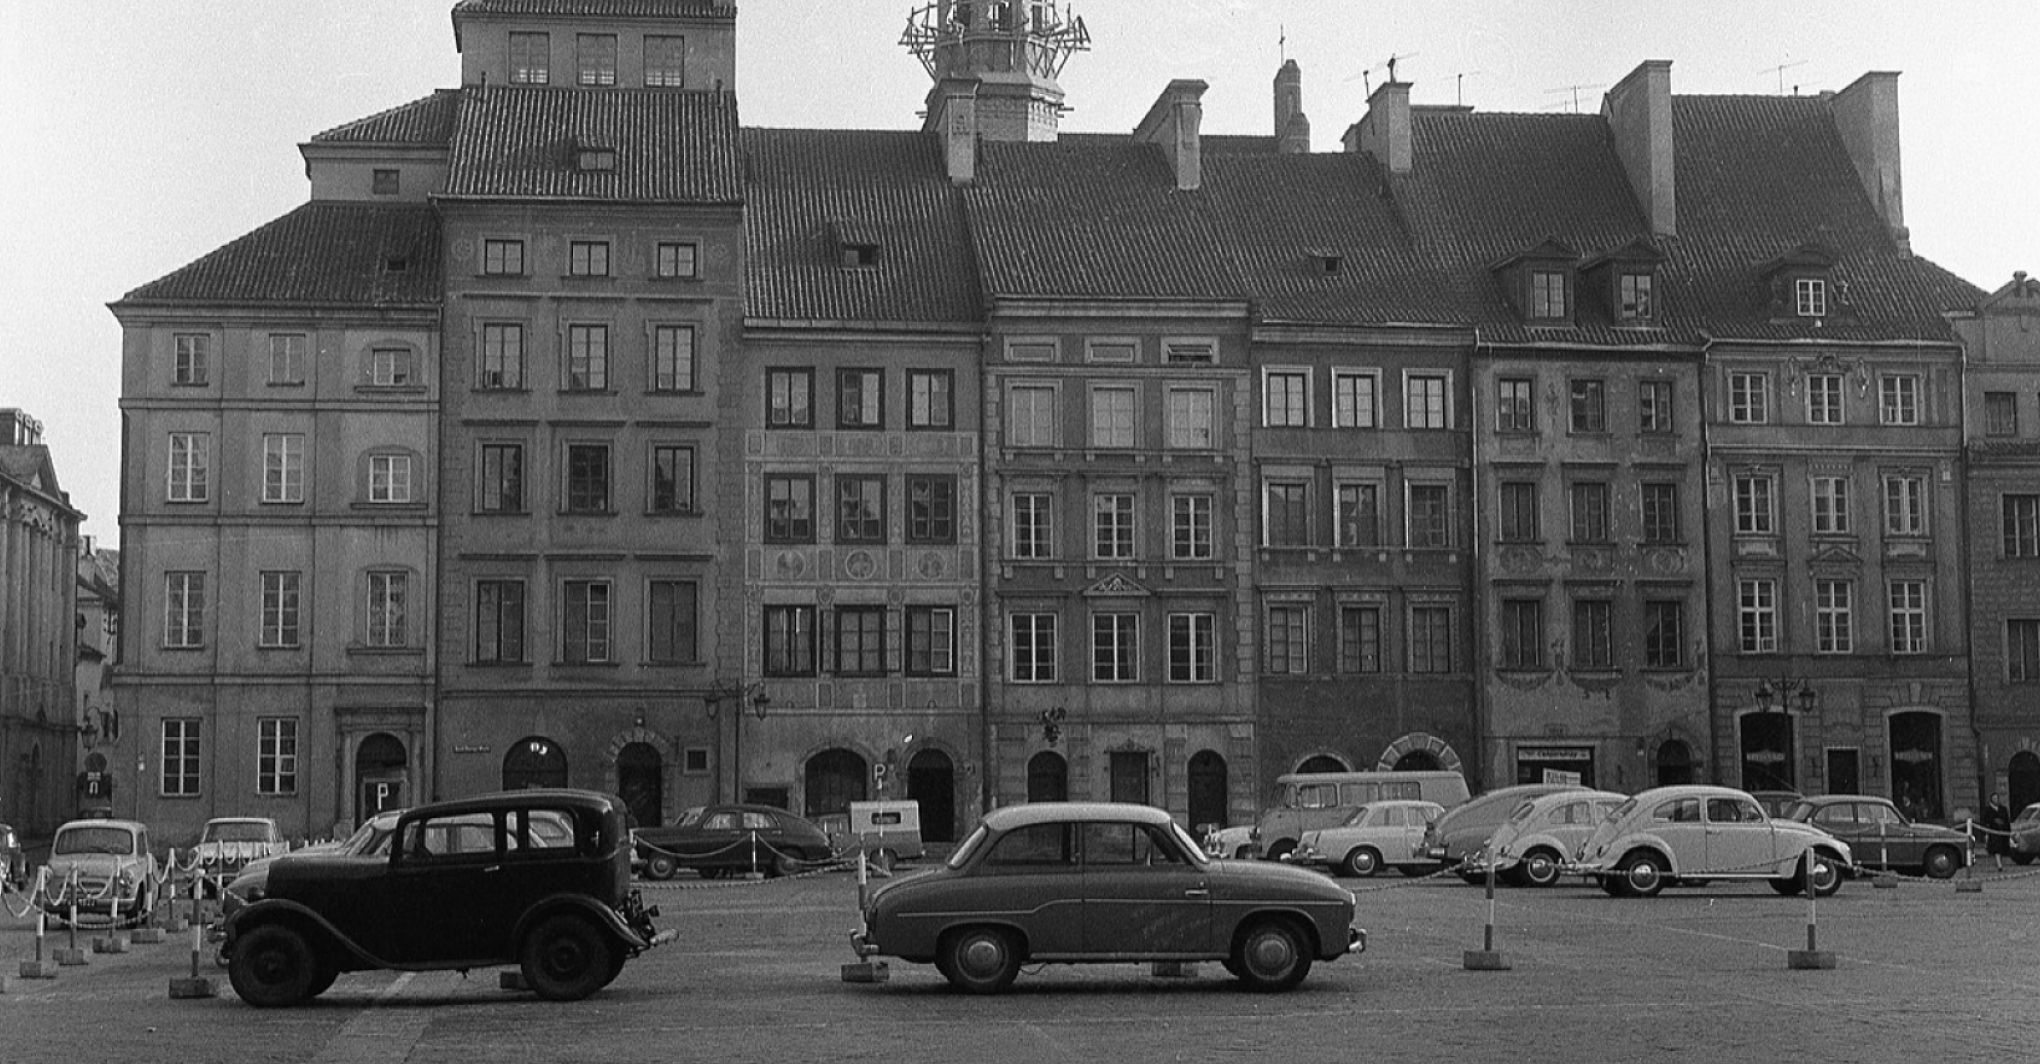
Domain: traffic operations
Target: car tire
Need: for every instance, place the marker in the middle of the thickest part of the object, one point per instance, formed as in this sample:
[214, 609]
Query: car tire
[1787, 885]
[1271, 955]
[323, 981]
[273, 967]
[1245, 852]
[1281, 848]
[1362, 862]
[661, 866]
[1539, 868]
[785, 864]
[886, 859]
[980, 960]
[1643, 875]
[566, 958]
[1941, 862]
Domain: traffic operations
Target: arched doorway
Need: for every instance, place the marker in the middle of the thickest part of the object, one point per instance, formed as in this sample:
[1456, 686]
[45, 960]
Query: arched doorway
[379, 773]
[641, 783]
[1767, 752]
[2023, 782]
[1208, 794]
[833, 779]
[1418, 761]
[1674, 763]
[1323, 763]
[1048, 778]
[534, 761]
[931, 781]
[1916, 764]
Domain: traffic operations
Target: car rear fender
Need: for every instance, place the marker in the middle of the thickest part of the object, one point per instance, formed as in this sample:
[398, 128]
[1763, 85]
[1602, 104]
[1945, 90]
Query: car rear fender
[1654, 847]
[603, 916]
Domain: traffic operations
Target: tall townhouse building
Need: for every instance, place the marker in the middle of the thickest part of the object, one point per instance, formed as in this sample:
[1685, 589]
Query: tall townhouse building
[39, 547]
[2001, 489]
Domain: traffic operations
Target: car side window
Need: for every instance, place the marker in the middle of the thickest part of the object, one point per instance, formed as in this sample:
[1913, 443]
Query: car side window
[1036, 845]
[1317, 796]
[759, 822]
[1393, 817]
[1877, 814]
[720, 822]
[1678, 811]
[1730, 811]
[1125, 844]
[1835, 814]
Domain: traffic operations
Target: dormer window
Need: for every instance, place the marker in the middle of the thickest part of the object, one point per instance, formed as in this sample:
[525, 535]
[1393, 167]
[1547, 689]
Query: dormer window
[1547, 295]
[860, 255]
[1326, 261]
[594, 158]
[856, 243]
[1633, 297]
[386, 182]
[1810, 297]
[1802, 283]
[1538, 282]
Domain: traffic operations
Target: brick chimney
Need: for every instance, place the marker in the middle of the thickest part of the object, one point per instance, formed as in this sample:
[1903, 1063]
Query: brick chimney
[1384, 131]
[1292, 129]
[1638, 111]
[1173, 123]
[1866, 115]
[952, 118]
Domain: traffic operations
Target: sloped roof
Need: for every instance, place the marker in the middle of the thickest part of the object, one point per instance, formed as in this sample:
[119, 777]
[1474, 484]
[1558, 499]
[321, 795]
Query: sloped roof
[808, 191]
[599, 8]
[427, 121]
[321, 253]
[671, 147]
[29, 465]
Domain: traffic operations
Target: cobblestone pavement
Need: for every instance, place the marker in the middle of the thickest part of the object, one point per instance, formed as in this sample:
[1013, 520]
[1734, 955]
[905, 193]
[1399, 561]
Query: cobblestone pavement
[1924, 972]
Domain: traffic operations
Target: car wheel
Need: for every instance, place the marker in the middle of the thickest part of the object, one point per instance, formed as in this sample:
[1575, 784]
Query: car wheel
[566, 958]
[661, 866]
[322, 981]
[980, 960]
[1540, 868]
[886, 859]
[1364, 861]
[1271, 955]
[1827, 875]
[1281, 849]
[1643, 875]
[273, 967]
[785, 864]
[1941, 862]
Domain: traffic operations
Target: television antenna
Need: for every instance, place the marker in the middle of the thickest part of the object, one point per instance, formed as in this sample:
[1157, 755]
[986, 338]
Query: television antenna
[1780, 70]
[1366, 76]
[1574, 90]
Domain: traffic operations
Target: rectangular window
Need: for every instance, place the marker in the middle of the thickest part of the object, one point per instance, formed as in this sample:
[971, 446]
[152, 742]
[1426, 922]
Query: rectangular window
[789, 398]
[287, 358]
[665, 62]
[1033, 349]
[860, 640]
[1192, 423]
[2000, 414]
[1359, 639]
[1288, 640]
[1033, 525]
[1031, 416]
[789, 508]
[1430, 639]
[860, 508]
[860, 399]
[672, 479]
[588, 258]
[178, 777]
[1589, 406]
[189, 463]
[672, 358]
[500, 487]
[1515, 405]
[931, 399]
[1033, 648]
[2021, 514]
[1430, 516]
[1905, 504]
[389, 367]
[1193, 639]
[1633, 297]
[388, 624]
[503, 258]
[1664, 634]
[676, 260]
[585, 626]
[588, 478]
[386, 182]
[1113, 350]
[1519, 519]
[1112, 528]
[1424, 403]
[1593, 634]
[1547, 294]
[1287, 398]
[502, 356]
[1654, 407]
[1589, 511]
[276, 755]
[1522, 633]
[671, 629]
[1908, 616]
[1356, 402]
[530, 58]
[183, 609]
[281, 610]
[1757, 616]
[1834, 616]
[931, 641]
[192, 366]
[1287, 520]
[283, 467]
[596, 55]
[1115, 647]
[587, 358]
[1190, 527]
[1358, 516]
[1755, 513]
[1898, 400]
[1190, 350]
[1830, 506]
[499, 622]
[1112, 417]
[2022, 650]
[1810, 297]
[1749, 398]
[931, 508]
[1825, 399]
[389, 478]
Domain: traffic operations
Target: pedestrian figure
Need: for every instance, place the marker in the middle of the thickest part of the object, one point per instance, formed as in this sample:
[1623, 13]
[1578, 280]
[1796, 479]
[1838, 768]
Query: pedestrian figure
[1997, 829]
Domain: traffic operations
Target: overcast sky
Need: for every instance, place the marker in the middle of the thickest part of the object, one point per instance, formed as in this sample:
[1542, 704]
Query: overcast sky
[140, 134]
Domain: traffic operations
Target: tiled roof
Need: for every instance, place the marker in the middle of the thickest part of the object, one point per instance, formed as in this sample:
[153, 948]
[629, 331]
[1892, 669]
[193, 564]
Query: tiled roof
[29, 465]
[671, 147]
[428, 121]
[809, 191]
[600, 8]
[321, 253]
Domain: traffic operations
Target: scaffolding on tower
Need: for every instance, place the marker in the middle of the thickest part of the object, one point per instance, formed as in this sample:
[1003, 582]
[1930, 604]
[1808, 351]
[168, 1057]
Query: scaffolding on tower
[963, 37]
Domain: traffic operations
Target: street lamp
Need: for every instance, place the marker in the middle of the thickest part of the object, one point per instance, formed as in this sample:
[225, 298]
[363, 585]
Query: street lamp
[724, 690]
[1786, 691]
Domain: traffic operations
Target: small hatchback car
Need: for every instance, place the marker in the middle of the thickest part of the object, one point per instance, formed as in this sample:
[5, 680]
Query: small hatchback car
[1070, 882]
[535, 878]
[1697, 832]
[105, 866]
[1388, 833]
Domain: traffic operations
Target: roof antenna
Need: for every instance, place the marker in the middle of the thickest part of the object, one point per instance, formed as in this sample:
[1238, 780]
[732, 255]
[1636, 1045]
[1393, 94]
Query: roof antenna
[1780, 70]
[1459, 86]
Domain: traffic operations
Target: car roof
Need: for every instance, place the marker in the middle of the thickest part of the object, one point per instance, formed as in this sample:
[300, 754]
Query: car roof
[1695, 790]
[1836, 799]
[241, 820]
[100, 822]
[1561, 797]
[530, 796]
[1014, 816]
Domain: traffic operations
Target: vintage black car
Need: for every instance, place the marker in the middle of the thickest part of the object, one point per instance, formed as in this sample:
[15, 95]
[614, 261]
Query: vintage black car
[1104, 882]
[534, 878]
[729, 840]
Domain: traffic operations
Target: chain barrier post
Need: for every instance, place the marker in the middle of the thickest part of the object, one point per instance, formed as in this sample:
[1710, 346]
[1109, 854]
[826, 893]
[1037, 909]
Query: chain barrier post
[864, 971]
[71, 956]
[1969, 884]
[1884, 879]
[1812, 958]
[754, 853]
[1488, 958]
[194, 985]
[115, 940]
[39, 968]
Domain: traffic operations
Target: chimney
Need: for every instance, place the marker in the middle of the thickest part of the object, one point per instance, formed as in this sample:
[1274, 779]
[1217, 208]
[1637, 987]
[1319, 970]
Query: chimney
[1172, 123]
[952, 116]
[1639, 116]
[1292, 129]
[1384, 131]
[1866, 115]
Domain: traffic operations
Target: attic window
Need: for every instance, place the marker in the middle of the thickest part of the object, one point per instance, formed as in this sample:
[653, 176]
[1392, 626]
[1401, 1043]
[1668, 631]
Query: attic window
[396, 264]
[859, 255]
[1547, 295]
[1634, 300]
[1329, 263]
[1200, 350]
[1810, 297]
[387, 182]
[591, 158]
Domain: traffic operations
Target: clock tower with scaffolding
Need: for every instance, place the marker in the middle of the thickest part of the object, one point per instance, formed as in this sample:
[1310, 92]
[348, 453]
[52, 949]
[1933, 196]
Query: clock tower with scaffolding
[995, 66]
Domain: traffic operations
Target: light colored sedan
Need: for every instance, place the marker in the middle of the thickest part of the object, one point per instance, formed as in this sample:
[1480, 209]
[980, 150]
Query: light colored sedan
[1532, 846]
[1694, 832]
[1388, 833]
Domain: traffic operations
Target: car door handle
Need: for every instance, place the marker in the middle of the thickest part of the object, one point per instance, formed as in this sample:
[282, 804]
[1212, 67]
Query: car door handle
[1197, 892]
[492, 868]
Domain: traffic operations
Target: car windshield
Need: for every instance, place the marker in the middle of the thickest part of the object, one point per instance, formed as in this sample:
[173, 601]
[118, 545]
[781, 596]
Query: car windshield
[1798, 811]
[93, 840]
[236, 831]
[1522, 812]
[691, 816]
[1189, 845]
[1356, 818]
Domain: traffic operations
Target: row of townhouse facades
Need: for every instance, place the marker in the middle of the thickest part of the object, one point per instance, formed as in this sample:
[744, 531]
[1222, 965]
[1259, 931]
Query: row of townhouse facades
[575, 433]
